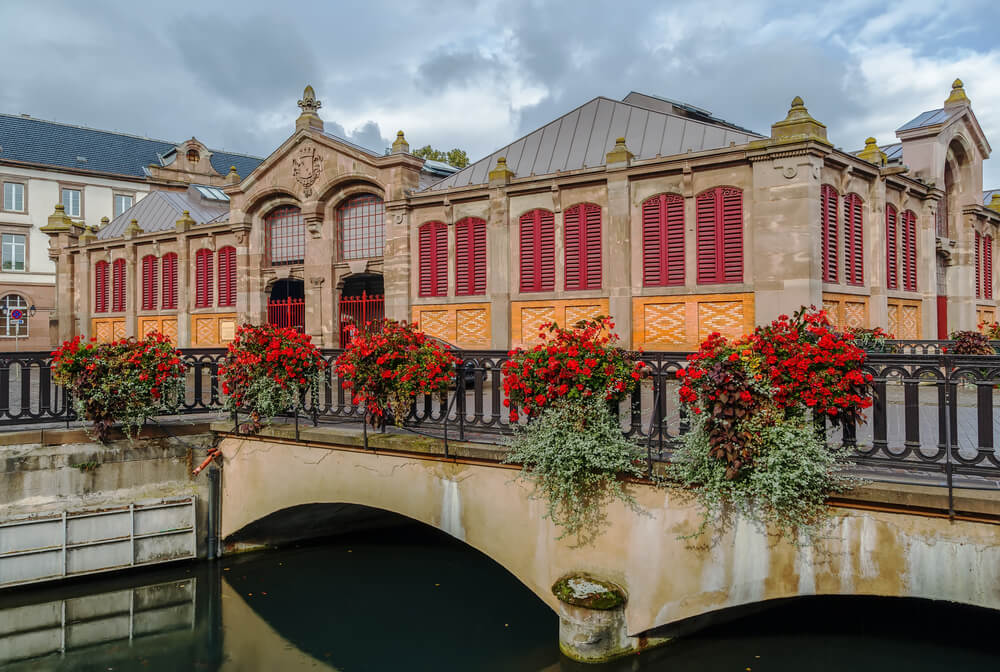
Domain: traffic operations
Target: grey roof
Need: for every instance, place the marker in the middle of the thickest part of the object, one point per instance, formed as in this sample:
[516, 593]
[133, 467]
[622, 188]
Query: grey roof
[583, 137]
[51, 143]
[988, 195]
[893, 152]
[928, 118]
[669, 106]
[159, 210]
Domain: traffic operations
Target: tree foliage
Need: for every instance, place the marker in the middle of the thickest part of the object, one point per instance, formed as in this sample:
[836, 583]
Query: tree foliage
[453, 157]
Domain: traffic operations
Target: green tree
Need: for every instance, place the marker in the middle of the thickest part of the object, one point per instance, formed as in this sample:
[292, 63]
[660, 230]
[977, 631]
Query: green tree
[454, 157]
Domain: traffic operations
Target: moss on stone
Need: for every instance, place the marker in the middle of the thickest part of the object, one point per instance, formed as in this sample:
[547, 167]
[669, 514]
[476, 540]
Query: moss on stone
[581, 590]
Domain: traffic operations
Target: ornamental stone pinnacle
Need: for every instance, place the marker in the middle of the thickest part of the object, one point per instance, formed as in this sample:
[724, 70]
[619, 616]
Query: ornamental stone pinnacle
[500, 175]
[400, 146]
[133, 229]
[185, 223]
[309, 119]
[995, 202]
[872, 153]
[957, 96]
[619, 156]
[798, 125]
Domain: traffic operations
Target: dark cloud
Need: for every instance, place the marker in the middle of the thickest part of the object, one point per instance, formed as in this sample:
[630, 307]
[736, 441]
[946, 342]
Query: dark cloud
[456, 68]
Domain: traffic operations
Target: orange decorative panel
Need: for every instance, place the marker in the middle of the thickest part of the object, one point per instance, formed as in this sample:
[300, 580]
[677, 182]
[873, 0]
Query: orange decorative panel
[165, 325]
[108, 329]
[211, 330]
[527, 317]
[681, 322]
[987, 314]
[904, 318]
[464, 325]
[846, 311]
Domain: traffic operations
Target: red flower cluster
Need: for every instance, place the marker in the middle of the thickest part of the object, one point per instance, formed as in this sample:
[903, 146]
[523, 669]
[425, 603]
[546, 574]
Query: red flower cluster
[127, 381]
[266, 360]
[387, 368]
[573, 363]
[991, 329]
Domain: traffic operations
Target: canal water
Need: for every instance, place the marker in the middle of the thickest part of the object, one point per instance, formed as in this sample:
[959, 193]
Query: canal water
[412, 599]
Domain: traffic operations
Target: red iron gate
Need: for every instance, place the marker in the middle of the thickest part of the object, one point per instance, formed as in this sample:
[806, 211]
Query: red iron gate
[363, 312]
[287, 313]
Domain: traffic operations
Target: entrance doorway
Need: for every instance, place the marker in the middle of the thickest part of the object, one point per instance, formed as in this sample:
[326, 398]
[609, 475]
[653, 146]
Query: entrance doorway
[286, 306]
[362, 305]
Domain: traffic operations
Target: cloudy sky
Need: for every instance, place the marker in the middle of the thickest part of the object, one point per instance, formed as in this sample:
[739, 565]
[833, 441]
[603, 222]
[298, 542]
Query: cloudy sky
[476, 75]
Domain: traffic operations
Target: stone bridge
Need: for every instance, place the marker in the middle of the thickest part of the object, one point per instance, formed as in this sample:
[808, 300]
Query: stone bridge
[886, 540]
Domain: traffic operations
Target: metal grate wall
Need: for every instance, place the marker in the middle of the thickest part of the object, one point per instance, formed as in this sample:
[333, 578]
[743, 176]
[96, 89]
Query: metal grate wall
[286, 236]
[361, 222]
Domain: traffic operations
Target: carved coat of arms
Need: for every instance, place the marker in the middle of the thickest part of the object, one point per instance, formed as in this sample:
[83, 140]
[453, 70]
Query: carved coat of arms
[306, 168]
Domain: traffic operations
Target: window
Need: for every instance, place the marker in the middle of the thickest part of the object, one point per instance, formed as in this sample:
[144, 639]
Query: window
[854, 268]
[12, 327]
[13, 196]
[361, 222]
[149, 264]
[118, 295]
[987, 267]
[203, 278]
[538, 255]
[663, 241]
[169, 269]
[12, 252]
[101, 287]
[719, 213]
[71, 201]
[582, 231]
[122, 203]
[227, 276]
[193, 156]
[979, 266]
[470, 256]
[909, 226]
[891, 252]
[286, 236]
[433, 244]
[830, 234]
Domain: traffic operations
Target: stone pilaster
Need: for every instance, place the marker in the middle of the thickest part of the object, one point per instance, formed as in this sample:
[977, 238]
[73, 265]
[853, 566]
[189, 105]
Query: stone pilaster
[63, 234]
[617, 271]
[185, 302]
[396, 269]
[318, 277]
[961, 275]
[499, 279]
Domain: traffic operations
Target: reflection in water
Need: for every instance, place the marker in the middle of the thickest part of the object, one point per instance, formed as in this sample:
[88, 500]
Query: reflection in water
[413, 599]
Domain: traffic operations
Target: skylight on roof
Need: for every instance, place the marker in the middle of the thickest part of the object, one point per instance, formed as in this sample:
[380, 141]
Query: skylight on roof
[212, 193]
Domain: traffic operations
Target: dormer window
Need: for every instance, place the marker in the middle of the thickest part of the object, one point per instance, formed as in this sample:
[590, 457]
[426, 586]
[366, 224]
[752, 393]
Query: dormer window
[193, 156]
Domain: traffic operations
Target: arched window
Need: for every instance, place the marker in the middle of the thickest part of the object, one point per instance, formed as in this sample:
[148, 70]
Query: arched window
[149, 264]
[286, 236]
[854, 252]
[169, 268]
[538, 255]
[891, 249]
[470, 256]
[361, 223]
[11, 326]
[118, 293]
[227, 276]
[909, 226]
[101, 287]
[433, 263]
[663, 241]
[830, 233]
[203, 278]
[719, 213]
[582, 232]
[193, 156]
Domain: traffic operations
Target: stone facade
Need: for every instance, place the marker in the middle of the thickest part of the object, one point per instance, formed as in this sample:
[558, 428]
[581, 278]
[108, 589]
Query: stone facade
[780, 180]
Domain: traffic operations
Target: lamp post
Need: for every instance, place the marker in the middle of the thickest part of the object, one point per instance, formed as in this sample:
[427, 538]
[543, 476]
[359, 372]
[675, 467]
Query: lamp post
[17, 317]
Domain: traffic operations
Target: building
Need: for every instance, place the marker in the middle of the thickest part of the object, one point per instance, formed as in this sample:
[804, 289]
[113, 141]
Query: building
[95, 175]
[674, 222]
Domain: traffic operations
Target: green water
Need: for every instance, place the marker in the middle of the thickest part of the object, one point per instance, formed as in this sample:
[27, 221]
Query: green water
[414, 599]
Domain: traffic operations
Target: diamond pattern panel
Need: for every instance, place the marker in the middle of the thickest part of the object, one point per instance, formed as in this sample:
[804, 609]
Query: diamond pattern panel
[472, 327]
[205, 330]
[532, 320]
[439, 324]
[832, 309]
[894, 321]
[909, 322]
[854, 315]
[664, 323]
[576, 313]
[118, 329]
[102, 330]
[725, 317]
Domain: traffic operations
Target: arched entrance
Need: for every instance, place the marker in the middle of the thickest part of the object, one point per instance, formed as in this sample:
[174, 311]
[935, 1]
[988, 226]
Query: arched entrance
[362, 304]
[286, 304]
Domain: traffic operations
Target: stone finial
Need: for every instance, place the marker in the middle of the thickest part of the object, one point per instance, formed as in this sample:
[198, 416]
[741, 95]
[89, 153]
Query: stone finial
[59, 221]
[104, 222]
[995, 202]
[89, 234]
[400, 146]
[872, 153]
[233, 177]
[309, 105]
[185, 223]
[132, 230]
[957, 96]
[799, 125]
[501, 174]
[619, 156]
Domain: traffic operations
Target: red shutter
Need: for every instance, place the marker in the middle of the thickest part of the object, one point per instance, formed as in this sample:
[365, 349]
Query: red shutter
[574, 247]
[979, 267]
[433, 242]
[732, 234]
[909, 221]
[118, 292]
[988, 267]
[854, 272]
[829, 232]
[537, 243]
[227, 276]
[101, 287]
[891, 264]
[708, 237]
[149, 277]
[470, 256]
[169, 270]
[719, 214]
[663, 241]
[203, 279]
[592, 246]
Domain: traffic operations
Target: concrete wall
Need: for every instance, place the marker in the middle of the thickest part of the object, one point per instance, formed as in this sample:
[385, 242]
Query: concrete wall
[666, 579]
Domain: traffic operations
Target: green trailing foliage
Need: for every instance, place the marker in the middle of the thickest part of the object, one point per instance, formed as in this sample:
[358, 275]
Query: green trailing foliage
[970, 343]
[576, 457]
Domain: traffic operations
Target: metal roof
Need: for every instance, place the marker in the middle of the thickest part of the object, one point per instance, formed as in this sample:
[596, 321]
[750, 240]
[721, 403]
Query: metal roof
[583, 137]
[928, 118]
[159, 210]
[669, 106]
[51, 143]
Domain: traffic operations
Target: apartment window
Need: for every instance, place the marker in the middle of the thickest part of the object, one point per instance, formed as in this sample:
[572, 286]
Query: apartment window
[12, 251]
[169, 284]
[830, 232]
[118, 288]
[203, 278]
[227, 276]
[854, 254]
[433, 263]
[663, 241]
[909, 226]
[101, 287]
[891, 250]
[122, 203]
[719, 230]
[13, 327]
[538, 256]
[582, 231]
[13, 196]
[470, 256]
[149, 278]
[72, 201]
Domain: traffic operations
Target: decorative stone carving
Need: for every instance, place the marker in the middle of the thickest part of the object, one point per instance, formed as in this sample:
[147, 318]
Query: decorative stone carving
[790, 172]
[306, 168]
[315, 227]
[317, 281]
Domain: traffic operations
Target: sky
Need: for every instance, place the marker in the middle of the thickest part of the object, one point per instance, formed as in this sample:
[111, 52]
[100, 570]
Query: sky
[479, 74]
